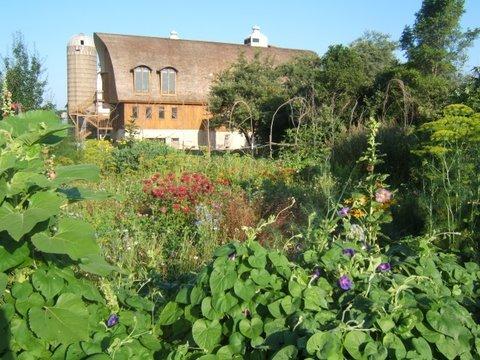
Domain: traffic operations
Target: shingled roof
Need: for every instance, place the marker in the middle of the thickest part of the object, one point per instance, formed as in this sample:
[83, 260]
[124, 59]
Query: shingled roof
[196, 63]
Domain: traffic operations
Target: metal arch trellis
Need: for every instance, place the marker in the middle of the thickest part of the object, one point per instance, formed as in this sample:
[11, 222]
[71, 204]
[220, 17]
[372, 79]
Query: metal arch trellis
[300, 118]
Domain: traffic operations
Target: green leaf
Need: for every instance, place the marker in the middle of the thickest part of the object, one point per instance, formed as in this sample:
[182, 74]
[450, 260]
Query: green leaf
[170, 313]
[224, 302]
[448, 347]
[49, 285]
[260, 276]
[251, 328]
[96, 264]
[285, 353]
[66, 322]
[78, 194]
[13, 255]
[257, 261]
[353, 341]
[17, 224]
[422, 347]
[21, 290]
[325, 346]
[245, 290]
[208, 311]
[69, 173]
[315, 298]
[206, 333]
[196, 295]
[24, 304]
[221, 280]
[290, 305]
[395, 346]
[74, 238]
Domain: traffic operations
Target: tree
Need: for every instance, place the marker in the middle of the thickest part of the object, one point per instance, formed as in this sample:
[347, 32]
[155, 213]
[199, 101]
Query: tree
[245, 96]
[23, 73]
[377, 52]
[436, 44]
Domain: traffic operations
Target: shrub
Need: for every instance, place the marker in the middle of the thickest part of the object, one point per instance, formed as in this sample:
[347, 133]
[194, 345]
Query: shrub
[131, 155]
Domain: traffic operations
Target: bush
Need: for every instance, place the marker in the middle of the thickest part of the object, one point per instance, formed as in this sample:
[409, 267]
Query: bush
[131, 155]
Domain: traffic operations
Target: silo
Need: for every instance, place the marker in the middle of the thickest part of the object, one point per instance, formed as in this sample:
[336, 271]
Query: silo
[81, 74]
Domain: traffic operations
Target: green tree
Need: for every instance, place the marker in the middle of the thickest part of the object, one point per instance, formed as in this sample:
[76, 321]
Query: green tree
[23, 72]
[245, 96]
[377, 52]
[436, 44]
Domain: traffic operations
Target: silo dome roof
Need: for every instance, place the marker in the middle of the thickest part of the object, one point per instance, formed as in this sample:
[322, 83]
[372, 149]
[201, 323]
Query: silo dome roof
[77, 40]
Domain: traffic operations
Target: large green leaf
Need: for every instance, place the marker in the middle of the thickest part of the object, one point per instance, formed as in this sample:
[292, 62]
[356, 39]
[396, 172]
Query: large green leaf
[66, 322]
[12, 255]
[96, 264]
[49, 284]
[74, 238]
[22, 181]
[68, 173]
[170, 313]
[19, 223]
[286, 353]
[221, 280]
[251, 328]
[207, 333]
[353, 342]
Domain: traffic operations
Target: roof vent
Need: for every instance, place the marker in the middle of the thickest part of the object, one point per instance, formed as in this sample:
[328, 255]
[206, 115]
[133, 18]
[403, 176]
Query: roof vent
[174, 35]
[256, 38]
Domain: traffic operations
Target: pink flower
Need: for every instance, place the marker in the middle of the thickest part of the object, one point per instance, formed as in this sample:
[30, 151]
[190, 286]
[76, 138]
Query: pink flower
[383, 196]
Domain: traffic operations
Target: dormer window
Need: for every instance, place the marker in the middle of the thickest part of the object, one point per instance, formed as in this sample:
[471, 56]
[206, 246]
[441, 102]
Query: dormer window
[141, 76]
[168, 78]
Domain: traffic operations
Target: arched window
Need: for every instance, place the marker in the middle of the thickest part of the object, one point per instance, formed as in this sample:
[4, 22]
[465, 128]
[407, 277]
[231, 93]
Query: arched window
[168, 78]
[141, 75]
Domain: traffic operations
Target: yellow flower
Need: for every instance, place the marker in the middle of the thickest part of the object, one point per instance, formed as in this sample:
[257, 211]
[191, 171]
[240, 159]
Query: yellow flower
[357, 213]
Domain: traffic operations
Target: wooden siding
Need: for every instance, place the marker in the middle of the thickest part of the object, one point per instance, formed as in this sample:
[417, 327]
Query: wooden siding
[189, 117]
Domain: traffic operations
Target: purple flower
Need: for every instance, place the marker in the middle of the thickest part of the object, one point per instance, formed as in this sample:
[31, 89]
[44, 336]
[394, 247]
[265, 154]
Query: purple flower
[112, 320]
[343, 212]
[316, 274]
[383, 196]
[349, 252]
[345, 283]
[384, 267]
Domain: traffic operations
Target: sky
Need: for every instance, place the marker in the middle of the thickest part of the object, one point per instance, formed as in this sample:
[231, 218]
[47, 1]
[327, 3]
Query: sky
[47, 25]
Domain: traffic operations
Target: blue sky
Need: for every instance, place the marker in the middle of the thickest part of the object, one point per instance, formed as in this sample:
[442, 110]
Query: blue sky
[307, 24]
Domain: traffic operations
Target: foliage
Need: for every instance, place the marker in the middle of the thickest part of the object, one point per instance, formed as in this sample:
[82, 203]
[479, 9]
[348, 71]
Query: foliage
[436, 44]
[245, 96]
[23, 73]
[343, 302]
[6, 101]
[130, 155]
[46, 309]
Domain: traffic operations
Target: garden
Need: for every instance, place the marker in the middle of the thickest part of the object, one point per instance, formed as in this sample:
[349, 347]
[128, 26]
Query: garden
[348, 229]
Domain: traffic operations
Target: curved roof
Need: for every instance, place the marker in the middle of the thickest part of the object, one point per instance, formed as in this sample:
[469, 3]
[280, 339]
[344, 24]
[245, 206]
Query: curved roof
[76, 40]
[196, 63]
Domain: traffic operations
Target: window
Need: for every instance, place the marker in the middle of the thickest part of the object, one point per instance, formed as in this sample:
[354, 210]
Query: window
[134, 112]
[174, 112]
[161, 140]
[161, 112]
[168, 79]
[82, 42]
[141, 76]
[148, 112]
[175, 142]
[255, 40]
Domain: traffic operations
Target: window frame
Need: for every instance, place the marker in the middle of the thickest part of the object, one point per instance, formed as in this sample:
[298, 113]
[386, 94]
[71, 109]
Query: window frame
[168, 70]
[161, 110]
[135, 112]
[148, 116]
[142, 69]
[176, 113]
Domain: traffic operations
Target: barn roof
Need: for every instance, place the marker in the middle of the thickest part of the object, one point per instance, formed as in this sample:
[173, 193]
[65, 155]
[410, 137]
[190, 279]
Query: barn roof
[196, 63]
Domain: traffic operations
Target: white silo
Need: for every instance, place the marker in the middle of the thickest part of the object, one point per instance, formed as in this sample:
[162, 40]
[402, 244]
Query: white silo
[81, 75]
